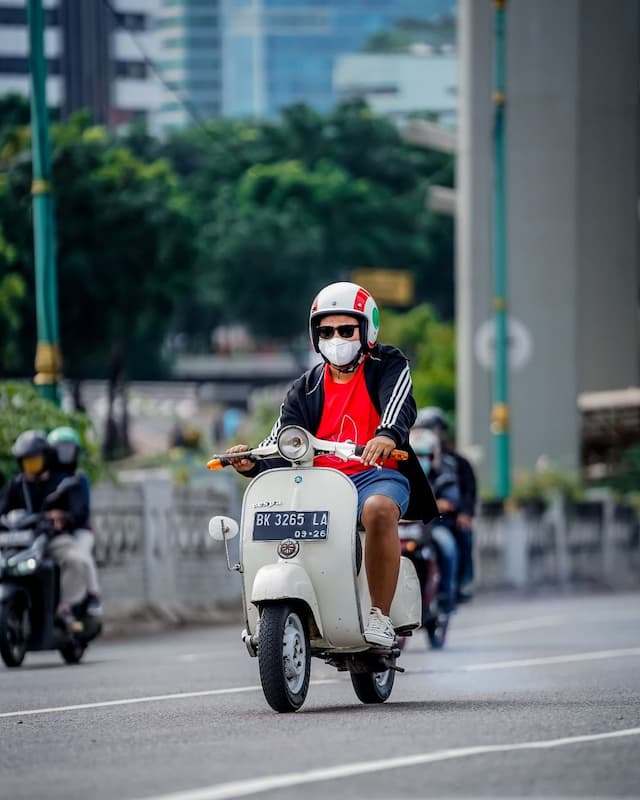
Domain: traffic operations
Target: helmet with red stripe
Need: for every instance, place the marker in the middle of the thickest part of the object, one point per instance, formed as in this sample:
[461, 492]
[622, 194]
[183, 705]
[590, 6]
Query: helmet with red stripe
[346, 298]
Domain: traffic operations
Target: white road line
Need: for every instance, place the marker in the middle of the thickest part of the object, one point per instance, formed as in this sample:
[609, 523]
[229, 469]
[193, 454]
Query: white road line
[565, 659]
[127, 701]
[242, 788]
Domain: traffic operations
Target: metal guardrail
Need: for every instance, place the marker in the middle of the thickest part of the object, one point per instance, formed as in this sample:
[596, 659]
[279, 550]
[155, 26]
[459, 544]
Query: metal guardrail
[153, 549]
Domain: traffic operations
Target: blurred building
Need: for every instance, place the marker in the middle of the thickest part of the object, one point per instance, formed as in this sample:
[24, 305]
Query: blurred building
[190, 61]
[572, 228]
[278, 52]
[98, 54]
[398, 84]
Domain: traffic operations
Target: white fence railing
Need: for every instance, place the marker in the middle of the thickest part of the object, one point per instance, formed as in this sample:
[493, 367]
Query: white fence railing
[153, 549]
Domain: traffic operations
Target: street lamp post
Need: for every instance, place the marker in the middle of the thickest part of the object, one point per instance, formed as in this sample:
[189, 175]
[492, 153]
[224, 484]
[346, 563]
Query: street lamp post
[48, 361]
[500, 422]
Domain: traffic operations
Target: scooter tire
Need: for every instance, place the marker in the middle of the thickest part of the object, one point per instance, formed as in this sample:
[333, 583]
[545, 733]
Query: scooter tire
[284, 657]
[13, 631]
[373, 687]
[72, 652]
[437, 632]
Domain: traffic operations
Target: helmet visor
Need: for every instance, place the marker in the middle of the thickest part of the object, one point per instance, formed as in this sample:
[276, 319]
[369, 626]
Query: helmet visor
[66, 452]
[32, 465]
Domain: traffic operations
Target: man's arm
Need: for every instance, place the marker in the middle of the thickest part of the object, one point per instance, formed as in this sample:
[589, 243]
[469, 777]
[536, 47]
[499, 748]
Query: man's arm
[395, 393]
[468, 486]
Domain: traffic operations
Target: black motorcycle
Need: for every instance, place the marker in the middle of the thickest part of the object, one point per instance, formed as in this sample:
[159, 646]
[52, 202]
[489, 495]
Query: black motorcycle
[30, 591]
[417, 545]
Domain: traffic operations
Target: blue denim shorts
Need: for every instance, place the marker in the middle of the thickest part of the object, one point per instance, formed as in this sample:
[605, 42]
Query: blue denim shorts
[388, 482]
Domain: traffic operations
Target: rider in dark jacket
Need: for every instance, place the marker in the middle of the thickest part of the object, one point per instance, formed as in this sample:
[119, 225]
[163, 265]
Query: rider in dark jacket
[31, 490]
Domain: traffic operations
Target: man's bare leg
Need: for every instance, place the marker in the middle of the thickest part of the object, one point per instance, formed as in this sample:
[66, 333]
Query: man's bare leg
[380, 517]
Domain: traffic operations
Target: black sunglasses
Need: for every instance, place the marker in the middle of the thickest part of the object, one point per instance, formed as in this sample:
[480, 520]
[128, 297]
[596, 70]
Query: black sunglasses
[344, 331]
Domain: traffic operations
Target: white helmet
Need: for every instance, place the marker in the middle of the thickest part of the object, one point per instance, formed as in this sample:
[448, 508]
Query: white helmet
[346, 298]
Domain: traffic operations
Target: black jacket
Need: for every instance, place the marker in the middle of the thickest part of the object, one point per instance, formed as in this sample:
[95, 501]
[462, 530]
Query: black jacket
[32, 496]
[388, 380]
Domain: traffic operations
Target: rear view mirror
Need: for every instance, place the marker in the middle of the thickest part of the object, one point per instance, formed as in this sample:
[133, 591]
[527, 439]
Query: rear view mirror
[222, 528]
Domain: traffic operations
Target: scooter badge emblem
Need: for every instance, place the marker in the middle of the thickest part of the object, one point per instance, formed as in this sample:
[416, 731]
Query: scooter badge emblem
[288, 548]
[298, 479]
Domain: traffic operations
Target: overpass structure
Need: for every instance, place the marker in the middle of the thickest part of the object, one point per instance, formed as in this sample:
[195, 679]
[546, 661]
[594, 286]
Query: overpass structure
[573, 188]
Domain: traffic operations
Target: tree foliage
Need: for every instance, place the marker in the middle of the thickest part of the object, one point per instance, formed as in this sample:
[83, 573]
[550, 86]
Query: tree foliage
[429, 343]
[21, 408]
[124, 250]
[285, 207]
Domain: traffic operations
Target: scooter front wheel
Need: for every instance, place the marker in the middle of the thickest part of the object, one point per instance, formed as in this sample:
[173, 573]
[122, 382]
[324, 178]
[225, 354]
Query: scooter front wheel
[72, 651]
[373, 687]
[14, 631]
[284, 657]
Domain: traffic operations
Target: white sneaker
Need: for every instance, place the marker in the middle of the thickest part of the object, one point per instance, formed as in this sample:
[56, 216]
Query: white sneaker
[379, 629]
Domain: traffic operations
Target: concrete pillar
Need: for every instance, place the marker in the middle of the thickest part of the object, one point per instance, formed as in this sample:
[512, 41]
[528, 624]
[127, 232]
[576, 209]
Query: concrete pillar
[572, 206]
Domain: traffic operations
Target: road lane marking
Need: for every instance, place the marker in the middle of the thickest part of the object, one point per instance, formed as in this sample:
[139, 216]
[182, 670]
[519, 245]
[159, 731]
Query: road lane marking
[127, 701]
[564, 659]
[242, 788]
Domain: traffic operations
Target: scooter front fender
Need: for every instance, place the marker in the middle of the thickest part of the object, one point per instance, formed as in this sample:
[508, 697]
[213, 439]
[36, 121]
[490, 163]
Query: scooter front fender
[286, 581]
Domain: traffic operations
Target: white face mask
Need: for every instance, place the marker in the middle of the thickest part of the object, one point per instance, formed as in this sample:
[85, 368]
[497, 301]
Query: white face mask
[339, 351]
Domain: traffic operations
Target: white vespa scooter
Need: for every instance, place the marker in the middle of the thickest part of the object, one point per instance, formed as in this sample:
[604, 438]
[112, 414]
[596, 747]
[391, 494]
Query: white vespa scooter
[304, 586]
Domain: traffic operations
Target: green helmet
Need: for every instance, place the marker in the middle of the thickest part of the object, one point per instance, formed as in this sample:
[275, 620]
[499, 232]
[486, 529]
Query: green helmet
[64, 434]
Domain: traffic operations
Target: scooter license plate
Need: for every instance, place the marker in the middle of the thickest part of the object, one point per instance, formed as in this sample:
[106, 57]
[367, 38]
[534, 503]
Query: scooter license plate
[269, 526]
[19, 538]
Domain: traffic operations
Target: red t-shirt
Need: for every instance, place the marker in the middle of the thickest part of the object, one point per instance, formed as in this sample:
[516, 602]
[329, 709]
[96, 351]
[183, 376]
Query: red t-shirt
[348, 415]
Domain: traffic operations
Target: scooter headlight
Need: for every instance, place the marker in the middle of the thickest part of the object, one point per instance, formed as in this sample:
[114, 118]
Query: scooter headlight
[293, 443]
[22, 566]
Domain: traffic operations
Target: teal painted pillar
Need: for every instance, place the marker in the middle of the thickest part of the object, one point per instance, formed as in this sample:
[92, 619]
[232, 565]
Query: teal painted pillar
[500, 416]
[48, 361]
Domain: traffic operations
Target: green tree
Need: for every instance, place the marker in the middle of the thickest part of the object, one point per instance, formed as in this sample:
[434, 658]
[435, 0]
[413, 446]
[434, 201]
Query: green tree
[124, 250]
[429, 344]
[21, 408]
[124, 256]
[284, 207]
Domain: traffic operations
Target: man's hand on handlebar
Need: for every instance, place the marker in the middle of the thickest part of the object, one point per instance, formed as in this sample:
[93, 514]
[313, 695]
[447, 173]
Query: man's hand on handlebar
[377, 449]
[240, 464]
[58, 518]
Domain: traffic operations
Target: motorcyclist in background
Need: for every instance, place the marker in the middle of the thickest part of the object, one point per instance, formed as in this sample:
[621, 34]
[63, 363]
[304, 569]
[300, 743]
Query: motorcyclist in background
[444, 483]
[434, 419]
[66, 448]
[29, 490]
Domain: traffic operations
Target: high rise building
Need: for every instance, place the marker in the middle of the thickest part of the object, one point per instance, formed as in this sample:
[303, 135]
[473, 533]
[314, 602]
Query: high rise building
[188, 34]
[99, 55]
[278, 52]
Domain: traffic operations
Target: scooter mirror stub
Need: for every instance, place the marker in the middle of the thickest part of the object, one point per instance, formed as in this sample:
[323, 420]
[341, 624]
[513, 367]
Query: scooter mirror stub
[221, 528]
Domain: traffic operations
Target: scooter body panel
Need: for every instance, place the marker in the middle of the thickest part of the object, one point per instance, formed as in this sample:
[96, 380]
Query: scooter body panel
[328, 562]
[324, 573]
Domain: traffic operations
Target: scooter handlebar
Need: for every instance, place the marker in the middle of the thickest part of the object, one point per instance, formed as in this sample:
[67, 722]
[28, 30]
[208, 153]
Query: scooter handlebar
[397, 455]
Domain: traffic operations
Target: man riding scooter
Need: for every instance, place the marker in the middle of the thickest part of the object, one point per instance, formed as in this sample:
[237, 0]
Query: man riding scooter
[361, 392]
[66, 448]
[29, 490]
[434, 419]
[426, 446]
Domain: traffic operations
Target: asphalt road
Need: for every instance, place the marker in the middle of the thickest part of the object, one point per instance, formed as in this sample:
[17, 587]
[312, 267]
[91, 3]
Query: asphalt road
[532, 697]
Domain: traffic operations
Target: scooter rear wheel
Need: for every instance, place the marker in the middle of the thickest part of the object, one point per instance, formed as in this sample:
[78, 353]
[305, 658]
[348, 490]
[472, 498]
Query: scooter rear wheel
[373, 687]
[14, 631]
[284, 657]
